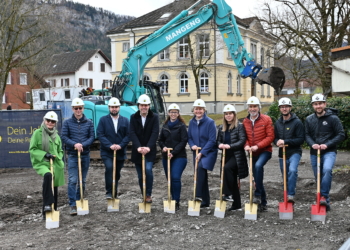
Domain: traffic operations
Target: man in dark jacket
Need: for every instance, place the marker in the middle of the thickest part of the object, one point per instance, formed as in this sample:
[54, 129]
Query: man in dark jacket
[144, 130]
[289, 130]
[78, 134]
[323, 131]
[113, 134]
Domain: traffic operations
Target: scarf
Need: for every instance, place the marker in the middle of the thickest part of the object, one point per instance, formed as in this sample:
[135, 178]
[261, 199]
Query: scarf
[172, 124]
[45, 137]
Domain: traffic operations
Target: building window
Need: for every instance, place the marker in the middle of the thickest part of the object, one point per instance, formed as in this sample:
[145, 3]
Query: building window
[183, 83]
[262, 56]
[84, 82]
[262, 91]
[126, 47]
[253, 50]
[90, 66]
[229, 83]
[203, 45]
[28, 97]
[204, 83]
[165, 81]
[164, 55]
[184, 48]
[103, 67]
[146, 78]
[22, 78]
[268, 91]
[52, 82]
[66, 94]
[268, 58]
[4, 98]
[8, 78]
[42, 97]
[65, 82]
[238, 84]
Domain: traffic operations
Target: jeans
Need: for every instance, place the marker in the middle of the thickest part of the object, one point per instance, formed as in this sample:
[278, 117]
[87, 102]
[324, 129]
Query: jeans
[73, 176]
[109, 173]
[326, 166]
[177, 166]
[258, 173]
[149, 176]
[292, 172]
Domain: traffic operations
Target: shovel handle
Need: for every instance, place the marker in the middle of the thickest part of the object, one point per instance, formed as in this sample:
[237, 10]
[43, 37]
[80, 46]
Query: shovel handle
[80, 177]
[143, 179]
[169, 174]
[195, 174]
[114, 172]
[318, 176]
[222, 172]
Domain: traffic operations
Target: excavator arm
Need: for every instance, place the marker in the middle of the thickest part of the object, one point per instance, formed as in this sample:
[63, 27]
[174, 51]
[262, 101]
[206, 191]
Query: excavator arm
[129, 85]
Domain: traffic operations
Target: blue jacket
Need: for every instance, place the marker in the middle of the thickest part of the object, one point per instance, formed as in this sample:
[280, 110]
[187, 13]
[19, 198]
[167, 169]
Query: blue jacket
[204, 135]
[107, 136]
[78, 131]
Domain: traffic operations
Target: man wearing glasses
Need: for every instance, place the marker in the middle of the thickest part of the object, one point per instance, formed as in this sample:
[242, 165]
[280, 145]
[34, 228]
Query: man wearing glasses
[289, 130]
[78, 135]
[113, 134]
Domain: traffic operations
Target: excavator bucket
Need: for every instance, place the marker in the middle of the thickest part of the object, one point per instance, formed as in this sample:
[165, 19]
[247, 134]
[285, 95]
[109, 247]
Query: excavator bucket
[272, 76]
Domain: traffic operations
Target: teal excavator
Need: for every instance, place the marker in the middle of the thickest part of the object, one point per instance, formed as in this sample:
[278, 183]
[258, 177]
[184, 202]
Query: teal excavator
[129, 85]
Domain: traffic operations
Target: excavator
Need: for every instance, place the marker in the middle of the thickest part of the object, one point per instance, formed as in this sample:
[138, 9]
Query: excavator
[130, 83]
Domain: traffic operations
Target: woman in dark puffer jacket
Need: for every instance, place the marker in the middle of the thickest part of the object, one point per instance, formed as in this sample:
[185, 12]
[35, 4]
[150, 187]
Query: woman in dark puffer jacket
[232, 137]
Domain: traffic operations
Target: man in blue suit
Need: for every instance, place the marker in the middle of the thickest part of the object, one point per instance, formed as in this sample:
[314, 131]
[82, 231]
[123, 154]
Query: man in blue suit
[113, 134]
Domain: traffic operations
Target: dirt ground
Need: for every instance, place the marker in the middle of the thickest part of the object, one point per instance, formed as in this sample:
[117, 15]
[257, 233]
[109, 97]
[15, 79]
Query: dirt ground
[21, 224]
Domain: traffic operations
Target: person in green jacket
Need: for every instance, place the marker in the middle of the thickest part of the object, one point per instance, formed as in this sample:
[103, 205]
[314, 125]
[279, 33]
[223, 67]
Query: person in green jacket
[45, 144]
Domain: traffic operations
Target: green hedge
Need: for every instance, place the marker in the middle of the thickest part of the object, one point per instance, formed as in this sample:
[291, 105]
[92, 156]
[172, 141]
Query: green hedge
[302, 108]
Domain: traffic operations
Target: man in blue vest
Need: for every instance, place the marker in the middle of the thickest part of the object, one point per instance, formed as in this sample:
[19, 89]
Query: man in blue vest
[113, 134]
[78, 135]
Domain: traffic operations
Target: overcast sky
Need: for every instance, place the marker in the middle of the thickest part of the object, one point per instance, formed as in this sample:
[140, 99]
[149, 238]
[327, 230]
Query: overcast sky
[240, 8]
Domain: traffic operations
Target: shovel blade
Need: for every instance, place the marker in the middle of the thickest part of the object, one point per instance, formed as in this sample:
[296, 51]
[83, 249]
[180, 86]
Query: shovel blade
[169, 206]
[113, 205]
[52, 219]
[251, 211]
[144, 208]
[82, 207]
[286, 213]
[220, 208]
[194, 208]
[318, 213]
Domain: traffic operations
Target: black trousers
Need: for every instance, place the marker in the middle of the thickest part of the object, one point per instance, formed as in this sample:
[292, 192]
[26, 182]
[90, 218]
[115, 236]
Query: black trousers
[49, 197]
[230, 185]
[202, 188]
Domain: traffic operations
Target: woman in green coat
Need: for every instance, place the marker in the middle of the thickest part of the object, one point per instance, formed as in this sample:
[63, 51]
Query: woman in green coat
[45, 144]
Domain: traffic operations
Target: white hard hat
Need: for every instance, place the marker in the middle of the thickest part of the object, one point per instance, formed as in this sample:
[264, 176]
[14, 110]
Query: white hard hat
[199, 103]
[229, 108]
[51, 115]
[114, 102]
[284, 101]
[318, 98]
[77, 102]
[253, 100]
[173, 106]
[144, 99]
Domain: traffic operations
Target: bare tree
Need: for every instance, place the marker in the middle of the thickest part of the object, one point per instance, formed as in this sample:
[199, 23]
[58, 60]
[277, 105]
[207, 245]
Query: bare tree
[23, 31]
[318, 25]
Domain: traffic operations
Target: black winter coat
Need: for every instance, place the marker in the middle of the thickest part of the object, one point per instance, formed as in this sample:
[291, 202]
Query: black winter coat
[326, 129]
[175, 138]
[238, 139]
[292, 132]
[144, 136]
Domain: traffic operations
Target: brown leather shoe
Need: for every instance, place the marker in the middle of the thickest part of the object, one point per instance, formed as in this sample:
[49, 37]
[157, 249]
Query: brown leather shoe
[148, 199]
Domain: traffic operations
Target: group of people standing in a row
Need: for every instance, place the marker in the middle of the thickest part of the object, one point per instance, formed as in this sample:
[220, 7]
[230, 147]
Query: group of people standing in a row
[322, 130]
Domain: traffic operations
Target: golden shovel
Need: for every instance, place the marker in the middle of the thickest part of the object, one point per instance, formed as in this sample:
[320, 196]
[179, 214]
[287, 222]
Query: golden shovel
[144, 207]
[113, 204]
[220, 205]
[169, 205]
[251, 209]
[52, 217]
[82, 205]
[194, 207]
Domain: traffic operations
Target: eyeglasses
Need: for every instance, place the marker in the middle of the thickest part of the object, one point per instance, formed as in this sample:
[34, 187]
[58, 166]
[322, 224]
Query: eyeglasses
[173, 113]
[80, 108]
[50, 121]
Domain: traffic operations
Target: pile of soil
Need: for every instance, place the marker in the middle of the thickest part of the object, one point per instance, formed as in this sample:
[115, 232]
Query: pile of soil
[21, 223]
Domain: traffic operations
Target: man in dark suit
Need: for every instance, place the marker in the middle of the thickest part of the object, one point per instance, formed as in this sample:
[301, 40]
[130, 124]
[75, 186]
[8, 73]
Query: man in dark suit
[113, 134]
[144, 130]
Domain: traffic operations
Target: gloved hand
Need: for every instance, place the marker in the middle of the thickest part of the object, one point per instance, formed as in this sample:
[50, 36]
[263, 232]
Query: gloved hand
[49, 156]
